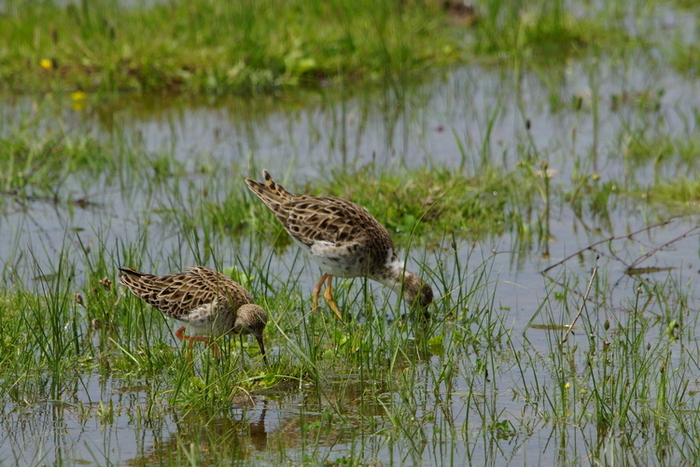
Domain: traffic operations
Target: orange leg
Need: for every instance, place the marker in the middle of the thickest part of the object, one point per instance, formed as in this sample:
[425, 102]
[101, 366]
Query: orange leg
[317, 291]
[180, 334]
[328, 295]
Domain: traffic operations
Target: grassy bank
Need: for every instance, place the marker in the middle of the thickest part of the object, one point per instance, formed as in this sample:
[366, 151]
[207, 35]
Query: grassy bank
[206, 46]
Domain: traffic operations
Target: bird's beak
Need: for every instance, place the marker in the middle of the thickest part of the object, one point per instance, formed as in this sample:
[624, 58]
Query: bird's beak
[262, 347]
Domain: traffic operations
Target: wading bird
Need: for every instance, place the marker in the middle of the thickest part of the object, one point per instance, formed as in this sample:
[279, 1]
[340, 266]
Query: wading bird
[344, 239]
[209, 303]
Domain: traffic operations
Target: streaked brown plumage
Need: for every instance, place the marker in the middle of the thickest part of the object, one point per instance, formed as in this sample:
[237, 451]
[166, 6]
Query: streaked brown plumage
[208, 302]
[344, 239]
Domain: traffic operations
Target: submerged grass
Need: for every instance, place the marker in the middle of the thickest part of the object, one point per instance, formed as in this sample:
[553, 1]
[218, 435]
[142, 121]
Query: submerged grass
[626, 377]
[36, 168]
[401, 383]
[681, 196]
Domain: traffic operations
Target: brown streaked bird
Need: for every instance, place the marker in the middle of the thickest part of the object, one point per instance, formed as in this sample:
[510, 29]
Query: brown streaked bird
[208, 302]
[344, 239]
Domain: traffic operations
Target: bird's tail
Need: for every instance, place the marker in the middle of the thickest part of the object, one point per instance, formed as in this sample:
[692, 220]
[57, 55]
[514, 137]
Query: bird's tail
[271, 193]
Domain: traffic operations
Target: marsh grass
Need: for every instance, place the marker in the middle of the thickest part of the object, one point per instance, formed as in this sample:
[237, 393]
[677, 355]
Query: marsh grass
[541, 32]
[392, 378]
[682, 195]
[73, 171]
[399, 382]
[34, 170]
[661, 148]
[623, 372]
[218, 47]
[80, 355]
[684, 58]
[415, 205]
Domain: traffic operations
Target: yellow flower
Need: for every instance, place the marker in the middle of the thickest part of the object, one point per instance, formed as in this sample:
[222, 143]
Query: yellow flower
[78, 98]
[46, 64]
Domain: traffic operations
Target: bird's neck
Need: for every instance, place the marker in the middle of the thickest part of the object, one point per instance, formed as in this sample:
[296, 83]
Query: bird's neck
[399, 279]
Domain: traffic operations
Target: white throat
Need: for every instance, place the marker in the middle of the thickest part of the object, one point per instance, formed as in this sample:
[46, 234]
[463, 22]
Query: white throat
[393, 275]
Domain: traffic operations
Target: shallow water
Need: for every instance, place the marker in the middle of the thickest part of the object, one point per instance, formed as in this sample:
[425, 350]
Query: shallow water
[303, 139]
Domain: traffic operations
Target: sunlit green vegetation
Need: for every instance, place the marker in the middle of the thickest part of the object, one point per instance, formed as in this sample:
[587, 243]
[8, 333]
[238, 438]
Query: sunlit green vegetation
[206, 46]
[589, 357]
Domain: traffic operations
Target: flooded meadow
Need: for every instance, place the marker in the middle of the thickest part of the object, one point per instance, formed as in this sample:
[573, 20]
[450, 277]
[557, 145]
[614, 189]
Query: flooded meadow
[551, 205]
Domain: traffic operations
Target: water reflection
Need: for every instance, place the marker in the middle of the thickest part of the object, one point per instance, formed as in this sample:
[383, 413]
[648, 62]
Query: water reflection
[209, 440]
[257, 426]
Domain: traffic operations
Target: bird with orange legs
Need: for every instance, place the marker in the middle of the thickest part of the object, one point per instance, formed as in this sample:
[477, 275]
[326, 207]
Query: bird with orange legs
[208, 303]
[344, 239]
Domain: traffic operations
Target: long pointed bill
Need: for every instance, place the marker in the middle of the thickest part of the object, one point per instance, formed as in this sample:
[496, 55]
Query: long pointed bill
[262, 348]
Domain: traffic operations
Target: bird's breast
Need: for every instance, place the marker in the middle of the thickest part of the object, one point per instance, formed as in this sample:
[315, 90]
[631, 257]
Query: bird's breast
[340, 260]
